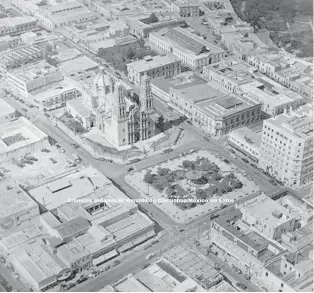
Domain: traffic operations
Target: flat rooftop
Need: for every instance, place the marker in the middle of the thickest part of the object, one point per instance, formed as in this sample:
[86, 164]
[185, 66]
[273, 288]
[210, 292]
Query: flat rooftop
[153, 62]
[5, 108]
[223, 106]
[32, 71]
[301, 127]
[79, 64]
[13, 199]
[18, 134]
[248, 134]
[76, 184]
[198, 93]
[15, 21]
[188, 41]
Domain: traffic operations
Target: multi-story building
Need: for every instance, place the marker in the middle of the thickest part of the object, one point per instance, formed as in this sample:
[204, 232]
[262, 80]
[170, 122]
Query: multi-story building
[287, 147]
[155, 67]
[275, 98]
[246, 141]
[9, 42]
[185, 8]
[16, 25]
[221, 115]
[194, 51]
[33, 76]
[229, 73]
[7, 112]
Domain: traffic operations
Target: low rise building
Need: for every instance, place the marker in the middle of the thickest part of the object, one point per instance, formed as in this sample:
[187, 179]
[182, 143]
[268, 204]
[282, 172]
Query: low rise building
[297, 75]
[194, 51]
[275, 99]
[161, 86]
[246, 141]
[185, 8]
[7, 112]
[241, 246]
[267, 216]
[15, 25]
[141, 26]
[9, 42]
[55, 96]
[155, 67]
[229, 73]
[287, 147]
[17, 209]
[20, 137]
[17, 57]
[59, 15]
[79, 64]
[221, 115]
[31, 77]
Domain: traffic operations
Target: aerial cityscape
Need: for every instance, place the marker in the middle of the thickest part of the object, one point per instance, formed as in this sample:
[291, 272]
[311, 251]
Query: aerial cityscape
[156, 146]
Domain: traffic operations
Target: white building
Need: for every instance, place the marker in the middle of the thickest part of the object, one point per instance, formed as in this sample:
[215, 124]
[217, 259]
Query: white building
[155, 67]
[246, 141]
[194, 51]
[32, 77]
[7, 112]
[19, 24]
[185, 8]
[287, 147]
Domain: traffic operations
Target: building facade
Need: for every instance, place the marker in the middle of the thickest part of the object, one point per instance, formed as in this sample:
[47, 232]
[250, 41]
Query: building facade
[15, 25]
[287, 147]
[155, 67]
[185, 8]
[194, 51]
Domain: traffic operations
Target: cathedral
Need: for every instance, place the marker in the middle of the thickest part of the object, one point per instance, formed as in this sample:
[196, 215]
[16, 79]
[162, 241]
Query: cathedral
[122, 120]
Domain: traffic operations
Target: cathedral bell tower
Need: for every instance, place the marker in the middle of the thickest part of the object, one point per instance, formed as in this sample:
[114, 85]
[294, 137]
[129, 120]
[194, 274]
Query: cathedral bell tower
[146, 108]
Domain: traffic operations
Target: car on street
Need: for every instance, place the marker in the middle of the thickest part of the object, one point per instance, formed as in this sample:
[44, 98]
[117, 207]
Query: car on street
[179, 229]
[116, 262]
[93, 274]
[107, 268]
[25, 110]
[245, 160]
[15, 275]
[232, 151]
[254, 166]
[273, 182]
[233, 156]
[226, 161]
[82, 279]
[242, 286]
[75, 145]
[145, 266]
[147, 246]
[47, 115]
[130, 169]
[150, 256]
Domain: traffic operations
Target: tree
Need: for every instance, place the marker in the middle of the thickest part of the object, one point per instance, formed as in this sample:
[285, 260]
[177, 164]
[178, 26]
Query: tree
[149, 177]
[163, 171]
[153, 18]
[160, 122]
[187, 164]
[141, 42]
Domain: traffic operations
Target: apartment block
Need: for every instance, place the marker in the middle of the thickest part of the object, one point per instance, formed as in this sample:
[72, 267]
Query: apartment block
[287, 147]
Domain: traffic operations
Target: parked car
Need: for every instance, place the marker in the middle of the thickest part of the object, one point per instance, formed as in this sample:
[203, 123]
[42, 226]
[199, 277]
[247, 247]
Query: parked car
[226, 161]
[15, 275]
[93, 274]
[273, 182]
[150, 256]
[245, 160]
[25, 110]
[147, 246]
[75, 145]
[47, 115]
[145, 266]
[179, 229]
[254, 166]
[82, 279]
[116, 262]
[233, 156]
[232, 151]
[242, 286]
[130, 169]
[107, 268]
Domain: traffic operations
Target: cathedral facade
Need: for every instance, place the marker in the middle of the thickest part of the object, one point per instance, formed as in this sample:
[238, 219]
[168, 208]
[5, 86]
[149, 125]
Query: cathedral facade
[122, 120]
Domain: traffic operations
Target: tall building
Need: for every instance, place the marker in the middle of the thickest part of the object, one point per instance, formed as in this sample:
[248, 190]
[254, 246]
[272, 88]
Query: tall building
[108, 106]
[287, 147]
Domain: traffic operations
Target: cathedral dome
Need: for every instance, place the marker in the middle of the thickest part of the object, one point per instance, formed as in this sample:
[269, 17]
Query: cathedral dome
[101, 81]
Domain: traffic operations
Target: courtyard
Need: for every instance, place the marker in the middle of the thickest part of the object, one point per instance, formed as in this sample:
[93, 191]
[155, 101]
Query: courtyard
[192, 184]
